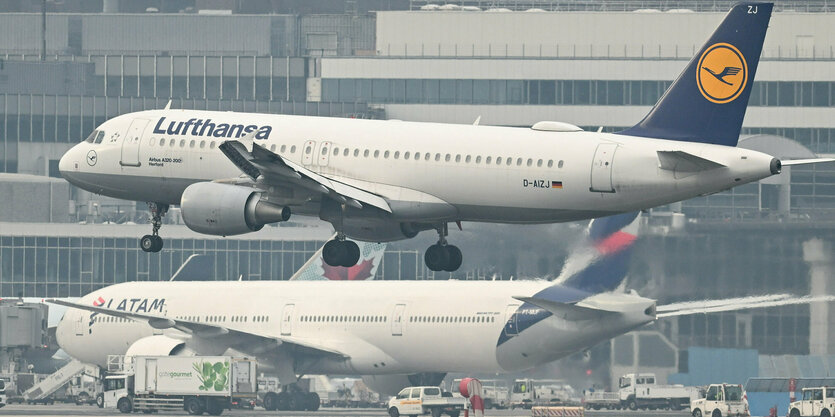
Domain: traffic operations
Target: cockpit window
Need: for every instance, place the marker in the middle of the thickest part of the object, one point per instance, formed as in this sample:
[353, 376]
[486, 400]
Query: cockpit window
[100, 136]
[92, 136]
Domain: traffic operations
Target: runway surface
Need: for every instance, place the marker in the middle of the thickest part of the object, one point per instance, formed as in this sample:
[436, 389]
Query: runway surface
[70, 410]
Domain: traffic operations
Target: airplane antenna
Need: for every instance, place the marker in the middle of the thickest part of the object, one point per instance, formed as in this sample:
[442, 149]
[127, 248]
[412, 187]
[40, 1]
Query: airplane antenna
[241, 278]
[168, 106]
[599, 129]
[477, 120]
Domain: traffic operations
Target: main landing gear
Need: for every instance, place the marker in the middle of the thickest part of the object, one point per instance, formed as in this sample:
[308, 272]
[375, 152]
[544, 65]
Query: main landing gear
[152, 242]
[341, 252]
[442, 256]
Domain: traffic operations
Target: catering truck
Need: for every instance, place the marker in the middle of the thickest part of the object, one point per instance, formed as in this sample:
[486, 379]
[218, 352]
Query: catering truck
[196, 384]
[641, 391]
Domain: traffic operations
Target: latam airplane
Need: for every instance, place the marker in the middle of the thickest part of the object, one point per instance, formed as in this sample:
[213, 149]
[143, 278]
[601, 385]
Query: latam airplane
[394, 333]
[232, 173]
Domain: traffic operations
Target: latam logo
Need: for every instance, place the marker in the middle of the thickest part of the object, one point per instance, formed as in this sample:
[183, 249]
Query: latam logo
[208, 128]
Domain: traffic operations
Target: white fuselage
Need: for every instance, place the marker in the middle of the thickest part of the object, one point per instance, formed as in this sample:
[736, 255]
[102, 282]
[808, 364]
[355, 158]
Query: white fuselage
[381, 327]
[426, 171]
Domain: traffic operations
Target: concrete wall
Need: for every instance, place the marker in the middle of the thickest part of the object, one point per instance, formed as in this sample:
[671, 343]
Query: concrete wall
[29, 198]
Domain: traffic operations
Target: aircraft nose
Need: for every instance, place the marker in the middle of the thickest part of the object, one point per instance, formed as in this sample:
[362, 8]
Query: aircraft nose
[68, 164]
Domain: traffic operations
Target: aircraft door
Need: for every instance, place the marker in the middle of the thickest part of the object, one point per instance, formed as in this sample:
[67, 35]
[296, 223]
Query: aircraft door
[308, 150]
[397, 320]
[323, 153]
[130, 145]
[601, 168]
[287, 320]
[510, 317]
[150, 374]
[79, 324]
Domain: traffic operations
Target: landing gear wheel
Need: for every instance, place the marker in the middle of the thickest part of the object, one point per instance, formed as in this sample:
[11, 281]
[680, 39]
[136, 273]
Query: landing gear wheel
[341, 253]
[334, 252]
[436, 257]
[352, 253]
[270, 401]
[282, 401]
[152, 242]
[454, 258]
[312, 401]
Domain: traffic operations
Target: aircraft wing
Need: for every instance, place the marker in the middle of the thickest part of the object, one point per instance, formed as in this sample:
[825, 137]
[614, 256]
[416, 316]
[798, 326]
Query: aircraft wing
[734, 304]
[254, 160]
[233, 338]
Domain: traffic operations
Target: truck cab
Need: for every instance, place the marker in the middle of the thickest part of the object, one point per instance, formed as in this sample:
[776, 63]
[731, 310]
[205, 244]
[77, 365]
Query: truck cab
[721, 400]
[818, 401]
[117, 392]
[413, 401]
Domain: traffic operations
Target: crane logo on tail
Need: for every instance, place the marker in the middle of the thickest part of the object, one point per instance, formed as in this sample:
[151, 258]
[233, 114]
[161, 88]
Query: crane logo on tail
[722, 73]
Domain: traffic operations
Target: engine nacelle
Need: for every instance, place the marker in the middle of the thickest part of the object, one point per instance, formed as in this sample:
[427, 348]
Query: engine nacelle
[158, 345]
[225, 209]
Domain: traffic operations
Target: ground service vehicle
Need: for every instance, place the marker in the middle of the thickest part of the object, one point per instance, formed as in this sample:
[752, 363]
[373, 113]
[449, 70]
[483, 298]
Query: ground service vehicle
[303, 396]
[721, 400]
[495, 392]
[2, 393]
[539, 392]
[641, 391]
[413, 401]
[819, 401]
[196, 384]
[601, 399]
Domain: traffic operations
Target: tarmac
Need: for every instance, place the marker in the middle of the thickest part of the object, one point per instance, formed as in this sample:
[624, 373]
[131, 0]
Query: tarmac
[70, 410]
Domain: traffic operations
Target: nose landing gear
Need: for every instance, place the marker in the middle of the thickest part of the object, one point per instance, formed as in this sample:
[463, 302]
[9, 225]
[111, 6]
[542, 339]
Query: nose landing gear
[442, 256]
[153, 242]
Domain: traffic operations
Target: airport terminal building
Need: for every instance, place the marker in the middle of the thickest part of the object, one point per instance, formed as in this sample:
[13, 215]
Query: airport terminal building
[507, 63]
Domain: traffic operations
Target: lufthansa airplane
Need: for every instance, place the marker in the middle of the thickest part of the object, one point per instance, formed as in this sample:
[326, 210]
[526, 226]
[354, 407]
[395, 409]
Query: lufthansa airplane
[232, 173]
[394, 333]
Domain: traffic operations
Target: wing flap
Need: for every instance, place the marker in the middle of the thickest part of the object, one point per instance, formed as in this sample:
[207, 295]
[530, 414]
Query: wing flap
[203, 330]
[254, 160]
[681, 161]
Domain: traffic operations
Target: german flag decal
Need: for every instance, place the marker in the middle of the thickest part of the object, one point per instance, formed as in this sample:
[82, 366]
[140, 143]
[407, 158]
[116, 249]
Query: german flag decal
[556, 184]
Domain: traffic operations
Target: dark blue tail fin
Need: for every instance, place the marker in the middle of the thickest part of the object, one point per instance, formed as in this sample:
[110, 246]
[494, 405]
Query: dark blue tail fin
[707, 102]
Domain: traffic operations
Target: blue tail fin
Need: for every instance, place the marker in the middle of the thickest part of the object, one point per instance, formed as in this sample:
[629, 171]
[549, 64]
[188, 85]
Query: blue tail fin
[708, 100]
[600, 263]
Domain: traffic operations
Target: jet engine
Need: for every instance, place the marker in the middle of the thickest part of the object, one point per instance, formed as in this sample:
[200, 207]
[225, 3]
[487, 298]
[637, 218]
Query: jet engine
[159, 345]
[224, 209]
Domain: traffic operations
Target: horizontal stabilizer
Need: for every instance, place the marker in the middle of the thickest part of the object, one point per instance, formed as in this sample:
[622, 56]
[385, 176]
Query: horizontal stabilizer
[791, 162]
[681, 161]
[565, 310]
